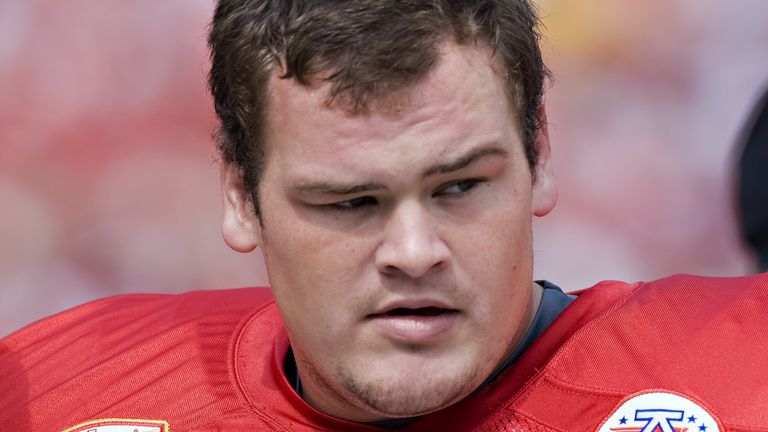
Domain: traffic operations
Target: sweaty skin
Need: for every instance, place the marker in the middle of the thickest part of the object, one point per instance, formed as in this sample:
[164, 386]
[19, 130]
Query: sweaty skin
[397, 242]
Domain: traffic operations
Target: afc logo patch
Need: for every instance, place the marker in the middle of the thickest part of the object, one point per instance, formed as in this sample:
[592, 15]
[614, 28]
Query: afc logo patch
[121, 425]
[659, 411]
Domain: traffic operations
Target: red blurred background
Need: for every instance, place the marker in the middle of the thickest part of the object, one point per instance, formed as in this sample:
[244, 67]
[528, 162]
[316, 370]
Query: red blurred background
[108, 180]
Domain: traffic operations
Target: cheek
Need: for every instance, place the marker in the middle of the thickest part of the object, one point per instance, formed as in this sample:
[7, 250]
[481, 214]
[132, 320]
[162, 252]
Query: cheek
[497, 263]
[315, 264]
[297, 249]
[500, 242]
[314, 273]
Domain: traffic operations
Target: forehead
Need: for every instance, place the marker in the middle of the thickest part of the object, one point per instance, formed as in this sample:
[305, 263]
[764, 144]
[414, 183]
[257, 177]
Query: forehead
[463, 94]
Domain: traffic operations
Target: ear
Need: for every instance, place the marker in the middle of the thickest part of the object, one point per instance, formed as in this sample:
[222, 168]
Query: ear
[241, 228]
[544, 193]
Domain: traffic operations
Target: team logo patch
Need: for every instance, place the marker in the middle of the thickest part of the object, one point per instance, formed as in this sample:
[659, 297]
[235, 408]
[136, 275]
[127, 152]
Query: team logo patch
[121, 425]
[660, 412]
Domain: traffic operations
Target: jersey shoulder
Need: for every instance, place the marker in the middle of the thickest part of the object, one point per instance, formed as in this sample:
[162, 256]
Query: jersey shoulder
[109, 316]
[141, 356]
[689, 336]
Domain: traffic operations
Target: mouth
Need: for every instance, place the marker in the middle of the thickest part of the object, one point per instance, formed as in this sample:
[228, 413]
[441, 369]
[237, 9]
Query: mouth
[415, 326]
[429, 311]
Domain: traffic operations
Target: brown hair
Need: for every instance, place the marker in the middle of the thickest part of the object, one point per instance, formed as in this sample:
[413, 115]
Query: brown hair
[366, 49]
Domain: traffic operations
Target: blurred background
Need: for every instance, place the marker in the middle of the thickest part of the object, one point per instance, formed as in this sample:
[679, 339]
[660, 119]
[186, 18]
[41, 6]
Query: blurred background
[108, 180]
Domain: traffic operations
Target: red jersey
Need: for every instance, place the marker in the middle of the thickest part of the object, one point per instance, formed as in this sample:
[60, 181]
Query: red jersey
[680, 354]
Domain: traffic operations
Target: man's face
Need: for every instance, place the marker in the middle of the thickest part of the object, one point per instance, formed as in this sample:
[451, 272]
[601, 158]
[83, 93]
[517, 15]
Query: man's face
[397, 242]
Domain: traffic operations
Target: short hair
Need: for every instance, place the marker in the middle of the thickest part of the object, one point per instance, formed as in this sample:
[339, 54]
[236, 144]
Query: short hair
[366, 49]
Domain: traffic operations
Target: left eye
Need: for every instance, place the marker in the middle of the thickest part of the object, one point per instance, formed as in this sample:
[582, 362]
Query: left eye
[459, 188]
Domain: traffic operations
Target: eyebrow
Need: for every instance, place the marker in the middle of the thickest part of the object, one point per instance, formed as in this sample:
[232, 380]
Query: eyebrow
[338, 189]
[327, 188]
[466, 160]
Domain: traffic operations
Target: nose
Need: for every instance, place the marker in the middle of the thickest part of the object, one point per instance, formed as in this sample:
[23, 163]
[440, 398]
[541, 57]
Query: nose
[411, 244]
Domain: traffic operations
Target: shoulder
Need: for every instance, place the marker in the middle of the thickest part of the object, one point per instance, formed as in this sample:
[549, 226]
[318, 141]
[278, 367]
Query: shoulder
[676, 320]
[131, 356]
[154, 310]
[674, 291]
[682, 335]
[683, 284]
[686, 300]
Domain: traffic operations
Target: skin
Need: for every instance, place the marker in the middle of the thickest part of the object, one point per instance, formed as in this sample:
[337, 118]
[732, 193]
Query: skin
[426, 200]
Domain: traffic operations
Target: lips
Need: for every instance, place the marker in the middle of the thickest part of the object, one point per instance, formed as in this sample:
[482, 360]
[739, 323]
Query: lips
[415, 323]
[424, 311]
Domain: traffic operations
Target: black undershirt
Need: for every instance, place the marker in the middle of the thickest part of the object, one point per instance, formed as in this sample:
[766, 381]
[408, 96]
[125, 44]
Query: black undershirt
[553, 302]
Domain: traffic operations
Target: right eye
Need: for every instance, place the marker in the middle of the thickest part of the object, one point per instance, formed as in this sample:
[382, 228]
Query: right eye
[353, 204]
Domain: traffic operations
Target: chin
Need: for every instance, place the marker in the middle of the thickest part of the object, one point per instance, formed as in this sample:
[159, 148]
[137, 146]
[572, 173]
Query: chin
[410, 394]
